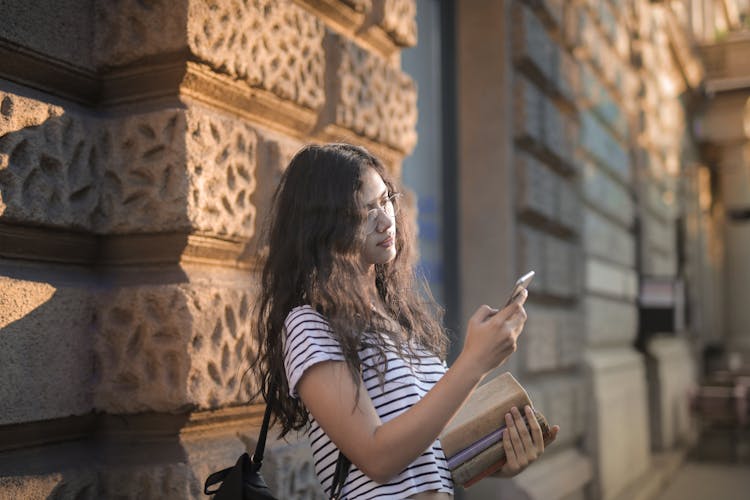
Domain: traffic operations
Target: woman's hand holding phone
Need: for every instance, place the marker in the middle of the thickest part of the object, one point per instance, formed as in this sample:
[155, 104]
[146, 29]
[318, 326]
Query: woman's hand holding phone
[491, 335]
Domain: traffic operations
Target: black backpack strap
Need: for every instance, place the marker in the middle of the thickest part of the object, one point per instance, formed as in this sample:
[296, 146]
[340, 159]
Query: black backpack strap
[339, 476]
[253, 462]
[257, 458]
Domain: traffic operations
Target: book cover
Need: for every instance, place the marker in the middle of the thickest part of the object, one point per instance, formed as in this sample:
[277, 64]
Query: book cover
[483, 413]
[490, 460]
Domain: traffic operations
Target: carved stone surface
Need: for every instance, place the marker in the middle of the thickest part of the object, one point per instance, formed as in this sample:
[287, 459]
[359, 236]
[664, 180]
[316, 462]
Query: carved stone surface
[173, 169]
[274, 154]
[371, 97]
[221, 162]
[290, 471]
[45, 353]
[359, 5]
[167, 170]
[144, 186]
[399, 19]
[274, 45]
[49, 167]
[126, 31]
[161, 348]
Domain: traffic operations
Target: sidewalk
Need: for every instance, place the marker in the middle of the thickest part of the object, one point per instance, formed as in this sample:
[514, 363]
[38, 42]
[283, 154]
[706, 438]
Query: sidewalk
[709, 481]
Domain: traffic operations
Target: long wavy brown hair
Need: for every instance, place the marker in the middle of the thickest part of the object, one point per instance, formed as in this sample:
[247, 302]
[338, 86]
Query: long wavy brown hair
[315, 235]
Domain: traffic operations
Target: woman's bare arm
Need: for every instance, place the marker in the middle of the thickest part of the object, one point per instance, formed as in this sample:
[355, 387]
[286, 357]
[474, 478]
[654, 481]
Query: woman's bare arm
[382, 450]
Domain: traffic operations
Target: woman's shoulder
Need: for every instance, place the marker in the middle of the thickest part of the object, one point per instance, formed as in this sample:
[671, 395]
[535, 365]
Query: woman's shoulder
[304, 315]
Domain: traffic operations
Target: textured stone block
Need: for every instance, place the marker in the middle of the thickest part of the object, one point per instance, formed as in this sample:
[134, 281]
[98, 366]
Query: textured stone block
[127, 31]
[673, 373]
[538, 343]
[562, 268]
[553, 125]
[609, 241]
[221, 163]
[166, 170]
[608, 152]
[398, 18]
[619, 400]
[530, 40]
[608, 321]
[290, 470]
[611, 280]
[571, 335]
[537, 187]
[162, 348]
[370, 96]
[552, 338]
[274, 45]
[274, 154]
[561, 475]
[49, 164]
[658, 233]
[527, 110]
[71, 39]
[608, 195]
[45, 351]
[569, 207]
[569, 75]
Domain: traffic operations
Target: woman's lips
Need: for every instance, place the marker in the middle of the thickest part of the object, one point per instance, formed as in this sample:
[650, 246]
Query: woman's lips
[386, 242]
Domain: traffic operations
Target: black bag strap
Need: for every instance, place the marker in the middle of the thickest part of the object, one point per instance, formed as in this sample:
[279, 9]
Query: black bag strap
[339, 476]
[260, 447]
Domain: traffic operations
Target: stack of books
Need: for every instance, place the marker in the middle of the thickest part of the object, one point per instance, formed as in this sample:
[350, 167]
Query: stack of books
[472, 441]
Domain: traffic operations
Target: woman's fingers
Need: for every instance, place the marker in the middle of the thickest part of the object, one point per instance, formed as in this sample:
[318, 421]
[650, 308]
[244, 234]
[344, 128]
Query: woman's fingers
[515, 439]
[536, 430]
[511, 462]
[523, 431]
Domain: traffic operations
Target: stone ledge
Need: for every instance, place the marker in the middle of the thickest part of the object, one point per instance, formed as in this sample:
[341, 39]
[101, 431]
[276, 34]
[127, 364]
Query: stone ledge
[555, 477]
[663, 468]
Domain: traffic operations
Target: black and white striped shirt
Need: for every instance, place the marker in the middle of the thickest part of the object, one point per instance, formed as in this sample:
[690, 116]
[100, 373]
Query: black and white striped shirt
[309, 341]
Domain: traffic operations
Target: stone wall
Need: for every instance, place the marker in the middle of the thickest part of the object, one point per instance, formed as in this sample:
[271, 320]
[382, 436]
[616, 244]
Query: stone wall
[139, 145]
[589, 139]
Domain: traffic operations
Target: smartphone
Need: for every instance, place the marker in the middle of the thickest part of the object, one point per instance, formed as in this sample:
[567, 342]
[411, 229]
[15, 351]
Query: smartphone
[522, 283]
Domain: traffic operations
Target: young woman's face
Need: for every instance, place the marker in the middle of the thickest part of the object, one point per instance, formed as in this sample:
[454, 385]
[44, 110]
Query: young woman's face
[380, 225]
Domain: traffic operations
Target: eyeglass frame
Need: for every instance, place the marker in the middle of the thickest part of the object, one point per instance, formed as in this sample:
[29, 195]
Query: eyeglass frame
[371, 218]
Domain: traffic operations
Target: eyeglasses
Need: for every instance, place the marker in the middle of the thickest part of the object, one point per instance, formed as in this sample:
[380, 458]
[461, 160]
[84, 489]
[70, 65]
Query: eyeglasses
[389, 207]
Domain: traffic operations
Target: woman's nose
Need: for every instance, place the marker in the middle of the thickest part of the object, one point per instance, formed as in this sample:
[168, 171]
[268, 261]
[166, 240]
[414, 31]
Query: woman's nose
[385, 221]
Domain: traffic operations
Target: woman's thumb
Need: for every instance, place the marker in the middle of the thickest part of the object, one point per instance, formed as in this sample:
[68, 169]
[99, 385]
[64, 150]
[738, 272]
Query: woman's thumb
[483, 313]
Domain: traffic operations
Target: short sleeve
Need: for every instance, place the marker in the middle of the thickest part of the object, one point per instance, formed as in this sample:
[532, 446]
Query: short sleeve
[308, 342]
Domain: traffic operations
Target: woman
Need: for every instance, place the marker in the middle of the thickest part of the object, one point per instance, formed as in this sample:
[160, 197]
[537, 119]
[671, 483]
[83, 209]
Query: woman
[353, 349]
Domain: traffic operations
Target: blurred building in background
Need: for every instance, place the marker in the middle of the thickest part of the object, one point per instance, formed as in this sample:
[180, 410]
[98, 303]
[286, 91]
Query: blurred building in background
[604, 144]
